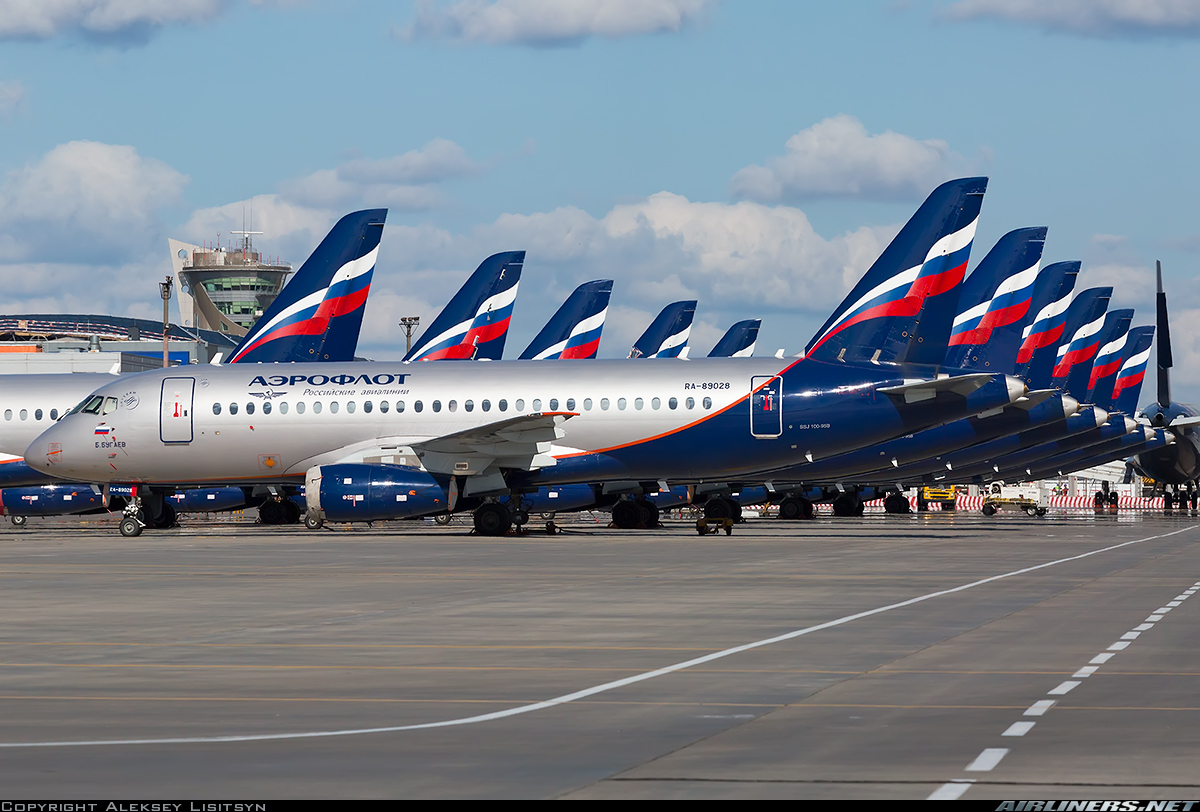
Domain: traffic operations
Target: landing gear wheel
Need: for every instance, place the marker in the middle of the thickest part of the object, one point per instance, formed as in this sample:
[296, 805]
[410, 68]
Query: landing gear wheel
[270, 512]
[989, 510]
[649, 514]
[291, 512]
[522, 518]
[896, 503]
[1041, 511]
[626, 514]
[735, 511]
[789, 508]
[492, 519]
[442, 518]
[314, 520]
[718, 508]
[18, 521]
[847, 505]
[130, 527]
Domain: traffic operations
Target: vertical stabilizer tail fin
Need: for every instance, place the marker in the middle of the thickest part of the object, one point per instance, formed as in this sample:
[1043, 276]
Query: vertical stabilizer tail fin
[667, 335]
[1164, 343]
[574, 330]
[738, 341]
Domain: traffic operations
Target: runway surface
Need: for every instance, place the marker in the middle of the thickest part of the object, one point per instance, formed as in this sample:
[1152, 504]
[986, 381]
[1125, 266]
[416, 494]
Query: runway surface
[880, 657]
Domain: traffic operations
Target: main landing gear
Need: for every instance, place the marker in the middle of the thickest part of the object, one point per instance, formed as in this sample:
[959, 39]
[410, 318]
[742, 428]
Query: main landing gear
[795, 507]
[633, 514]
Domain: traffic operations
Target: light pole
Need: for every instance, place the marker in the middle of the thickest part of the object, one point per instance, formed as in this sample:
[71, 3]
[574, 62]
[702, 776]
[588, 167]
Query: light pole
[164, 290]
[408, 323]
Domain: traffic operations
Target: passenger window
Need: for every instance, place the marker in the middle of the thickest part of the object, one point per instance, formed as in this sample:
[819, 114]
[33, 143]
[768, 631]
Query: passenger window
[503, 405]
[300, 407]
[110, 406]
[8, 414]
[333, 407]
[249, 408]
[570, 404]
[452, 406]
[469, 405]
[690, 403]
[267, 407]
[418, 406]
[537, 404]
[350, 407]
[399, 406]
[437, 405]
[367, 407]
[604, 404]
[317, 407]
[486, 405]
[216, 408]
[638, 403]
[37, 414]
[24, 414]
[708, 403]
[587, 404]
[383, 406]
[520, 404]
[621, 404]
[673, 403]
[283, 408]
[54, 414]
[554, 404]
[233, 408]
[655, 404]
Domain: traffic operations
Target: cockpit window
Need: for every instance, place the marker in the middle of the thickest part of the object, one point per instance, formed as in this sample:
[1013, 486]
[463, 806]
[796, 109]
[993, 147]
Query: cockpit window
[110, 405]
[90, 406]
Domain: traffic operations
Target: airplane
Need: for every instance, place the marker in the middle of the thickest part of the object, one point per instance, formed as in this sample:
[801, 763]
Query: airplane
[1178, 464]
[667, 335]
[474, 325]
[574, 330]
[367, 448]
[317, 316]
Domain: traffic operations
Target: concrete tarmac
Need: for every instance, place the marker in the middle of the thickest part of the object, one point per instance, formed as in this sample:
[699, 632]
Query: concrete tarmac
[880, 657]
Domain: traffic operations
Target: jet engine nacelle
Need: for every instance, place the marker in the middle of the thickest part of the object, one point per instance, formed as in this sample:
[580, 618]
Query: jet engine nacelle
[50, 500]
[356, 492]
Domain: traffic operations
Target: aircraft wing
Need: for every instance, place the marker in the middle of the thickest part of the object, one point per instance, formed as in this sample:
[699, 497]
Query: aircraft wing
[918, 391]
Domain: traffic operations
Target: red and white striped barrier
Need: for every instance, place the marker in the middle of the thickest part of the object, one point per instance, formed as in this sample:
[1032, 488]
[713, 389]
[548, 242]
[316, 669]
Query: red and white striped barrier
[1070, 502]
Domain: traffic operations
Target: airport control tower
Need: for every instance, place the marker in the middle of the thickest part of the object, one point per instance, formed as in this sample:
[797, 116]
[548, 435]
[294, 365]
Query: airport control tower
[225, 288]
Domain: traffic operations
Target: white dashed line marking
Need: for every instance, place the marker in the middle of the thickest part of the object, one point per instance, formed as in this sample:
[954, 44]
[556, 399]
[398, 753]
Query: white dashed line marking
[1040, 707]
[1086, 671]
[987, 760]
[1063, 688]
[1018, 729]
[1173, 604]
[1131, 635]
[1154, 618]
[950, 792]
[1119, 646]
[1101, 659]
[1145, 627]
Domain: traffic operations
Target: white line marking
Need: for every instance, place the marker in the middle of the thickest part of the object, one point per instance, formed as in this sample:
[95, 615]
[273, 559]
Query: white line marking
[1063, 688]
[1018, 729]
[1121, 646]
[1163, 610]
[1173, 603]
[1144, 627]
[1086, 671]
[1039, 708]
[604, 687]
[1154, 618]
[987, 760]
[950, 792]
[1101, 659]
[1131, 635]
[1182, 597]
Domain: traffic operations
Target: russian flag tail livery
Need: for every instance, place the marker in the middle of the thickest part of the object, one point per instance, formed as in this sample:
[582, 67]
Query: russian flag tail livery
[1108, 358]
[1084, 318]
[1127, 386]
[738, 341]
[995, 302]
[475, 322]
[667, 335]
[1044, 329]
[318, 314]
[1074, 367]
[574, 330]
[928, 258]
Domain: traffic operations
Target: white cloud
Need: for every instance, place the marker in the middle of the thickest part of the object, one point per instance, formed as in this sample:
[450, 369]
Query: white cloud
[105, 20]
[84, 199]
[403, 182]
[838, 158]
[1097, 18]
[551, 22]
[12, 94]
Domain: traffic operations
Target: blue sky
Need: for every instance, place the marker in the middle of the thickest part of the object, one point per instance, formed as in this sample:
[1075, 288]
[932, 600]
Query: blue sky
[754, 155]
